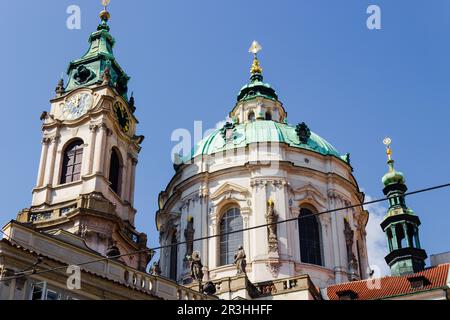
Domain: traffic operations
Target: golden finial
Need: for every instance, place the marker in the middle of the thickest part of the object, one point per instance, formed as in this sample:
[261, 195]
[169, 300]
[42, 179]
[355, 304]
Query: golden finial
[387, 142]
[104, 14]
[270, 203]
[255, 48]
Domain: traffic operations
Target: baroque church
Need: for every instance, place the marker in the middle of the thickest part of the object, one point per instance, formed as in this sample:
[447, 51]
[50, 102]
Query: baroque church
[260, 209]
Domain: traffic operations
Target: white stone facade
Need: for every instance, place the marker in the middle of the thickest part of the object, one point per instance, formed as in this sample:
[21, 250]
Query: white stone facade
[247, 178]
[89, 207]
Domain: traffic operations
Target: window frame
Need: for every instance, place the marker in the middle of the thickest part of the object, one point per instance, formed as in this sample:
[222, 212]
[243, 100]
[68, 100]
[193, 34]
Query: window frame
[318, 253]
[44, 294]
[119, 172]
[77, 148]
[251, 116]
[227, 258]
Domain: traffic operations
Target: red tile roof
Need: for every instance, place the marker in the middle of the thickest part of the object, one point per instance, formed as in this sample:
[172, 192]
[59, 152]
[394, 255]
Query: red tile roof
[392, 286]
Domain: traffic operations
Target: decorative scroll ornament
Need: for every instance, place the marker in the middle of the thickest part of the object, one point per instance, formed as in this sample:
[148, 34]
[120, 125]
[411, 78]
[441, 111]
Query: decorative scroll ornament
[83, 75]
[227, 131]
[303, 132]
[271, 219]
[274, 268]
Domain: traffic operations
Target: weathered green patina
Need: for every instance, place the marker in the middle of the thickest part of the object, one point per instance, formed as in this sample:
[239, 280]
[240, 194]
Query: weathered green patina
[89, 69]
[259, 132]
[257, 88]
[401, 226]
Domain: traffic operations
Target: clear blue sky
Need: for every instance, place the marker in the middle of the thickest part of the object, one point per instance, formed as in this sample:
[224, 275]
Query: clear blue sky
[188, 59]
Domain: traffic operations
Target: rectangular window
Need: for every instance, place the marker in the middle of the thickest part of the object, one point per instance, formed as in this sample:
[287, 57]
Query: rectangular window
[41, 292]
[38, 291]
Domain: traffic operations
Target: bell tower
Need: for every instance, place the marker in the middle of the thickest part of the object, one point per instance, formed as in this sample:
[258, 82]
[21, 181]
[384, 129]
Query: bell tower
[400, 225]
[90, 148]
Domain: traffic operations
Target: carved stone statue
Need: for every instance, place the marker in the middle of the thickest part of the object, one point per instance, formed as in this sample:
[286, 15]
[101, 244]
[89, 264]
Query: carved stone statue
[271, 219]
[155, 270]
[196, 266]
[209, 288]
[106, 76]
[189, 236]
[112, 251]
[240, 261]
[352, 261]
[303, 132]
[60, 87]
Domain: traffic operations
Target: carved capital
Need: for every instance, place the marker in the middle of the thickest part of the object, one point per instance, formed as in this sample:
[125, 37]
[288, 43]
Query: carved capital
[94, 127]
[55, 138]
[133, 159]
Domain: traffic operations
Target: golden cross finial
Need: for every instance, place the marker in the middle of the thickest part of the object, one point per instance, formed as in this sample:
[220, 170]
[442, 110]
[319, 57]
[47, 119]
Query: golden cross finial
[104, 14]
[255, 48]
[387, 142]
[105, 4]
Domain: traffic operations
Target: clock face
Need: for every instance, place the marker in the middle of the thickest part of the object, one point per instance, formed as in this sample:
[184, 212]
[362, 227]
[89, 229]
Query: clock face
[122, 116]
[76, 106]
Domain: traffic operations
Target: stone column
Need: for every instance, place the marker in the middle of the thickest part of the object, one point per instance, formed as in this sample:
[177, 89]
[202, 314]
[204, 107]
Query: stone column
[405, 232]
[126, 180]
[327, 242]
[416, 236]
[259, 203]
[246, 236]
[204, 230]
[50, 163]
[337, 236]
[100, 150]
[394, 238]
[132, 179]
[89, 163]
[43, 162]
[213, 242]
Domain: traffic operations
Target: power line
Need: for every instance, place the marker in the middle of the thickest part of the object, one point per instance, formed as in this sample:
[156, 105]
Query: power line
[222, 234]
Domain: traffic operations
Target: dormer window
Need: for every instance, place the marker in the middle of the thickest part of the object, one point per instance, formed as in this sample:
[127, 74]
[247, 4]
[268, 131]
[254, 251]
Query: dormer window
[347, 295]
[418, 282]
[268, 115]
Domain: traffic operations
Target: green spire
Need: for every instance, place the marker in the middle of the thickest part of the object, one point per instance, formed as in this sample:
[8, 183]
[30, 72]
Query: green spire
[90, 68]
[400, 224]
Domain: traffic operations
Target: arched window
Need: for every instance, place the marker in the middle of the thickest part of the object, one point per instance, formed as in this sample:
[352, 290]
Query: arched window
[401, 237]
[268, 115]
[173, 258]
[72, 159]
[229, 243]
[115, 171]
[309, 231]
[251, 116]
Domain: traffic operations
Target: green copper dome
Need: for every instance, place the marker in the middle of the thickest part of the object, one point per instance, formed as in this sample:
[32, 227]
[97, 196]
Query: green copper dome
[261, 131]
[257, 88]
[393, 177]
